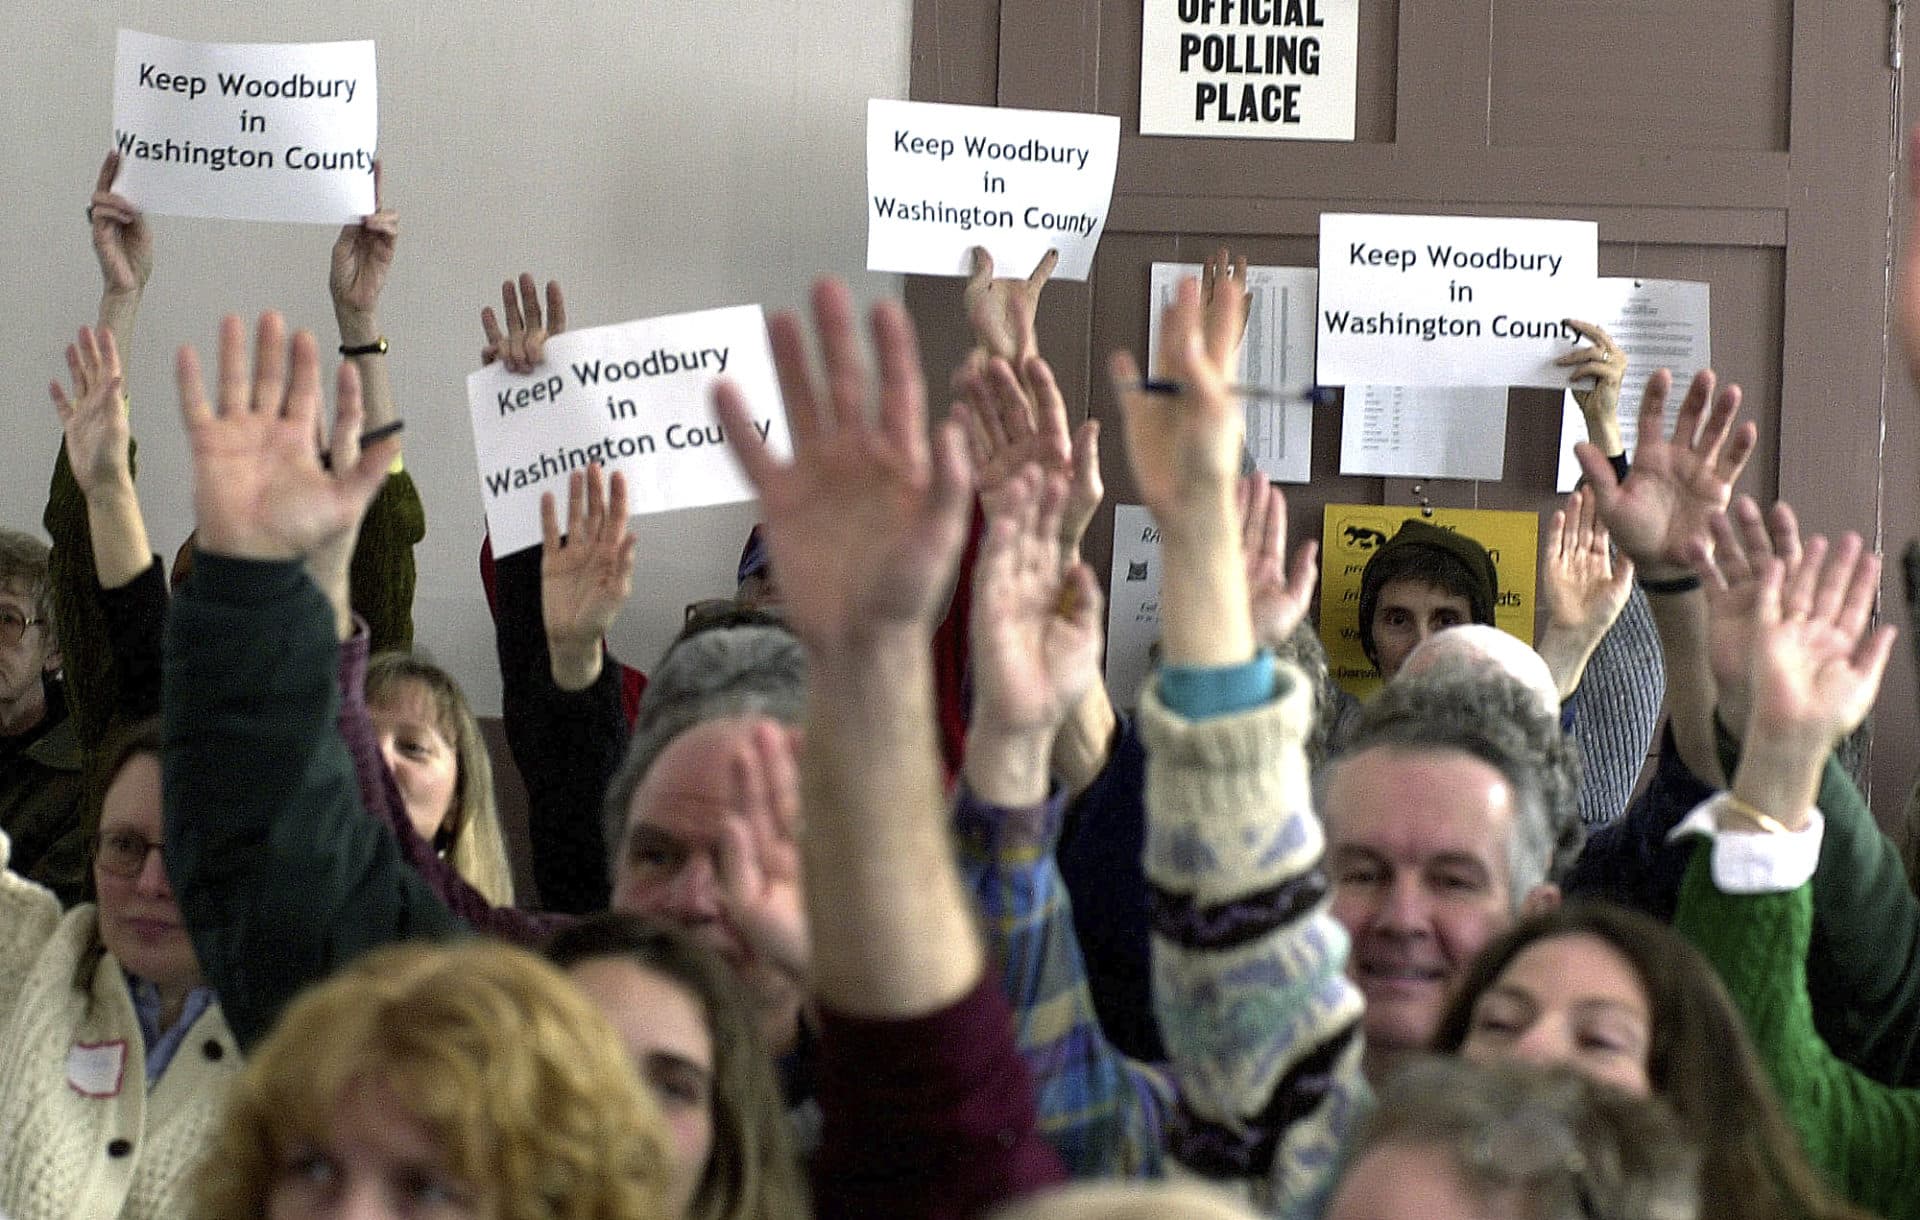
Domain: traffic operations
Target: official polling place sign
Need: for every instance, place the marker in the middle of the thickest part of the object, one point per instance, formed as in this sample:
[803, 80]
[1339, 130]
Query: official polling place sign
[1249, 69]
[246, 131]
[1353, 532]
[635, 398]
[943, 179]
[1450, 300]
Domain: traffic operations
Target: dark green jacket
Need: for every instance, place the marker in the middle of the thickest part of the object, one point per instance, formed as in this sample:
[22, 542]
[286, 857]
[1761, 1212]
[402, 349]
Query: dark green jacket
[280, 874]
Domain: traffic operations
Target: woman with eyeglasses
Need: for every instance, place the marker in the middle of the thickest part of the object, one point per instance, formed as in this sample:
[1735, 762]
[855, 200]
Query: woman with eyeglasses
[114, 1058]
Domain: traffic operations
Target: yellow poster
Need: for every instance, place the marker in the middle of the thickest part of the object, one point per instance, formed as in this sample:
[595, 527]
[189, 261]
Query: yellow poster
[1353, 531]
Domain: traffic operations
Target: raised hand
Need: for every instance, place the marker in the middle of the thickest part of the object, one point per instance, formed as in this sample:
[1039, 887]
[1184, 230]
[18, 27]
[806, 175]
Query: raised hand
[1036, 621]
[122, 242]
[1278, 597]
[1584, 589]
[362, 256]
[524, 342]
[94, 419]
[1730, 564]
[1603, 364]
[1013, 422]
[1185, 449]
[1815, 669]
[586, 576]
[758, 860]
[865, 524]
[260, 489]
[1678, 482]
[1002, 312]
[1225, 302]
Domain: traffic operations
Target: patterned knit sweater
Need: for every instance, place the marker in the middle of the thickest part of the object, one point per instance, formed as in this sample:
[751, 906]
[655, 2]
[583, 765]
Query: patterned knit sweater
[121, 1148]
[1864, 1136]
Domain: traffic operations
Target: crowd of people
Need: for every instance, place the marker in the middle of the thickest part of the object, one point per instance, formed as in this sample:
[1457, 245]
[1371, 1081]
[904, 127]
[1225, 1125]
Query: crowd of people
[868, 898]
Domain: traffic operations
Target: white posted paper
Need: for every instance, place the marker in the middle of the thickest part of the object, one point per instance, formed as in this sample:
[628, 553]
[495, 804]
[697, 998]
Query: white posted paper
[246, 131]
[633, 397]
[1133, 603]
[1278, 353]
[1278, 70]
[943, 179]
[1429, 432]
[1450, 300]
[1660, 324]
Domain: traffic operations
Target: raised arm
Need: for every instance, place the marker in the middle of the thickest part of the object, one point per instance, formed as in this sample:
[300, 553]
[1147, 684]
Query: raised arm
[1253, 1004]
[1814, 669]
[922, 1091]
[280, 874]
[1659, 516]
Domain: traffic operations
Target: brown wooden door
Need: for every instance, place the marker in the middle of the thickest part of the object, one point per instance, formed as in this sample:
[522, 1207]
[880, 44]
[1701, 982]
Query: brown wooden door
[1748, 143]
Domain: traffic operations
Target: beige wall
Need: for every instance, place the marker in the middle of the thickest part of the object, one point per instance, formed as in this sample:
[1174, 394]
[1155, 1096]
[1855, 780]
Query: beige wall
[659, 157]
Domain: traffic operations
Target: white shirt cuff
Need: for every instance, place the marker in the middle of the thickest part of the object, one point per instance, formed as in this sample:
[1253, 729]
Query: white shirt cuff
[1761, 863]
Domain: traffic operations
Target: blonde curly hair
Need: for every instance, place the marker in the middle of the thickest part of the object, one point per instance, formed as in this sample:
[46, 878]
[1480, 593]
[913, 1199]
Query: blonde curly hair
[524, 1086]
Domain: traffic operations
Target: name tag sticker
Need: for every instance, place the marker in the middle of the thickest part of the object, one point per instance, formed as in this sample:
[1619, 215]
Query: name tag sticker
[95, 1069]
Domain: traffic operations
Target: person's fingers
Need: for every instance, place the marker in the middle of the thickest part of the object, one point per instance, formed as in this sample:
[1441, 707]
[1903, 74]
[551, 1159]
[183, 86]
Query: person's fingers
[1273, 520]
[108, 168]
[1243, 503]
[779, 763]
[1693, 409]
[556, 309]
[235, 374]
[76, 371]
[1011, 402]
[1086, 455]
[349, 412]
[1768, 609]
[1653, 410]
[1703, 558]
[530, 301]
[833, 328]
[1051, 407]
[1713, 436]
[903, 386]
[596, 500]
[617, 510]
[1304, 571]
[550, 523]
[987, 403]
[1869, 661]
[982, 274]
[975, 432]
[1727, 557]
[496, 342]
[1856, 609]
[1830, 592]
[1797, 588]
[807, 420]
[1598, 370]
[300, 404]
[952, 490]
[1555, 547]
[756, 460]
[1581, 355]
[576, 505]
[1784, 533]
[1751, 532]
[1043, 271]
[510, 306]
[1734, 454]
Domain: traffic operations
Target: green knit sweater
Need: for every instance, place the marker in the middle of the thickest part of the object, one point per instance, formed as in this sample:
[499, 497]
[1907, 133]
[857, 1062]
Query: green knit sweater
[1864, 1136]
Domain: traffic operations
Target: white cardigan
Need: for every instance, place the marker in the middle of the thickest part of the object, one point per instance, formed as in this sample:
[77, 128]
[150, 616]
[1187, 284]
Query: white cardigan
[127, 1150]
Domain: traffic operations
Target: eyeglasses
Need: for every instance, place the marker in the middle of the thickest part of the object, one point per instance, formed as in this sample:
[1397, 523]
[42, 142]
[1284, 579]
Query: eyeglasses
[13, 625]
[124, 852]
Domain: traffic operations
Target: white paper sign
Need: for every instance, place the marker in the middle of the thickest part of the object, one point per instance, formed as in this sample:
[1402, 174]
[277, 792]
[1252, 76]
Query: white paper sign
[635, 398]
[1450, 300]
[1429, 432]
[1277, 352]
[1660, 324]
[1133, 603]
[943, 179]
[246, 131]
[1254, 69]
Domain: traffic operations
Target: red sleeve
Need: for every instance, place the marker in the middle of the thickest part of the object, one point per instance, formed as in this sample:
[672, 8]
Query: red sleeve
[931, 1117]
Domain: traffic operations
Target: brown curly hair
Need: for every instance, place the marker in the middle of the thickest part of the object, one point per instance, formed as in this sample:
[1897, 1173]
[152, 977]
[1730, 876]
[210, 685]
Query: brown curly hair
[522, 1083]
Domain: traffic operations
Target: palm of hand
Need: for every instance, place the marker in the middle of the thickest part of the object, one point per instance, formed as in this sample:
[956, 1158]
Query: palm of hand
[260, 491]
[858, 525]
[1034, 449]
[97, 440]
[1581, 591]
[1032, 664]
[1002, 314]
[1277, 608]
[1801, 675]
[582, 588]
[1666, 502]
[1174, 448]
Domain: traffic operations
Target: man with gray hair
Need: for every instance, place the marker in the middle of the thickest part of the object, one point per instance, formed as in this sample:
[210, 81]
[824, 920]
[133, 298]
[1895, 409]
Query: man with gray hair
[1450, 813]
